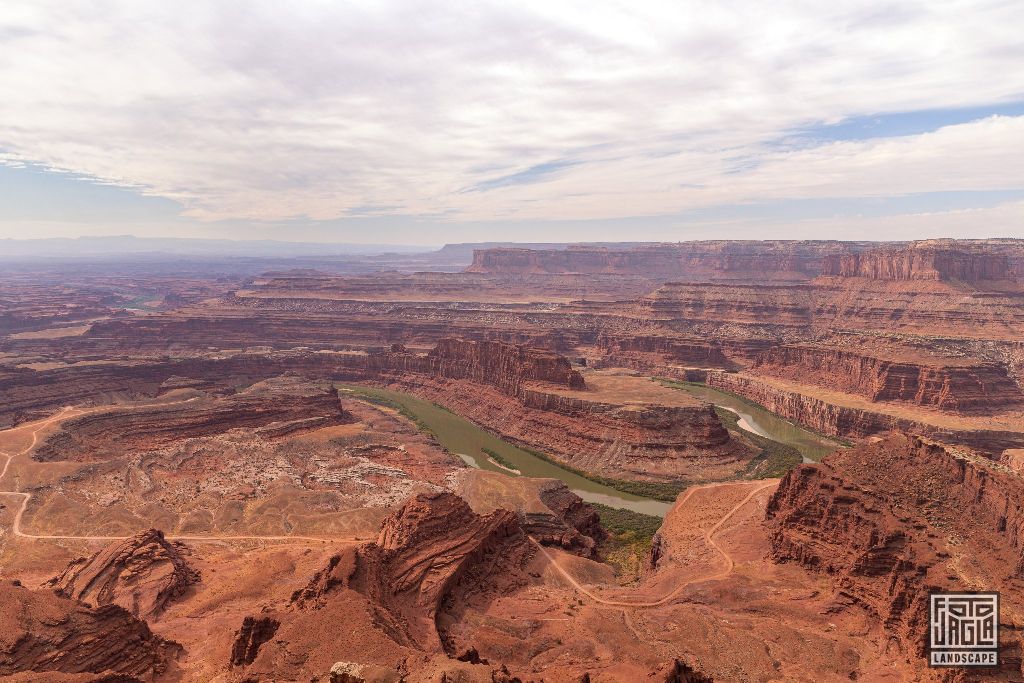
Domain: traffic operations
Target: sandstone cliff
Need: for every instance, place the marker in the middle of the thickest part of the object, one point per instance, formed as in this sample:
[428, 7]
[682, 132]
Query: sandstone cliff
[955, 385]
[834, 419]
[422, 552]
[896, 519]
[44, 633]
[920, 263]
[275, 406]
[432, 554]
[142, 574]
[506, 366]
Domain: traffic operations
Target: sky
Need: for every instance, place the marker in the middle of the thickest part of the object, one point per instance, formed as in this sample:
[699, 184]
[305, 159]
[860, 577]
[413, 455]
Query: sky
[433, 122]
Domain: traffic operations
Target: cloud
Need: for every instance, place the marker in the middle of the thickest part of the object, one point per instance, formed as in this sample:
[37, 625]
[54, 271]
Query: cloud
[253, 111]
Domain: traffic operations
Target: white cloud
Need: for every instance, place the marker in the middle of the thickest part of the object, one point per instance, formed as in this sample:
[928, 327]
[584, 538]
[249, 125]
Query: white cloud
[258, 110]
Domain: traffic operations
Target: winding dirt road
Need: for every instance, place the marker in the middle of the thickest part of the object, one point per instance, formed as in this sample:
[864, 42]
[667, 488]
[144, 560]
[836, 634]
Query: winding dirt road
[69, 412]
[708, 536]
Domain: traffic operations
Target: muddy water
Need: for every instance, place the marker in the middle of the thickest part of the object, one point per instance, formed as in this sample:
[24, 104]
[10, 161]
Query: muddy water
[461, 436]
[813, 447]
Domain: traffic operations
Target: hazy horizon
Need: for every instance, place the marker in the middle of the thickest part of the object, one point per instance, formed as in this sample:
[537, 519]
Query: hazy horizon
[401, 123]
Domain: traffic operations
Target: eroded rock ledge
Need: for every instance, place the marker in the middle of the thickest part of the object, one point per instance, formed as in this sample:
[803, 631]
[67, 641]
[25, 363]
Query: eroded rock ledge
[42, 632]
[142, 574]
[894, 520]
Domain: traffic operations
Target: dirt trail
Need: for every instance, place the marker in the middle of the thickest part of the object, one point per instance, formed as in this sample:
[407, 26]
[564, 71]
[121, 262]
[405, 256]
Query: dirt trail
[69, 412]
[708, 536]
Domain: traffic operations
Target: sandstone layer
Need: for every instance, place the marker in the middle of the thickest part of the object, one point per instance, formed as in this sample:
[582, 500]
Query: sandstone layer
[950, 384]
[429, 554]
[895, 520]
[142, 574]
[41, 632]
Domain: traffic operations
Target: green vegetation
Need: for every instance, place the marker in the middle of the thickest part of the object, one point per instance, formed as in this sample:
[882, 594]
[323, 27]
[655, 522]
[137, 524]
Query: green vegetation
[377, 399]
[620, 521]
[680, 384]
[497, 457]
[500, 450]
[628, 545]
[775, 458]
[663, 491]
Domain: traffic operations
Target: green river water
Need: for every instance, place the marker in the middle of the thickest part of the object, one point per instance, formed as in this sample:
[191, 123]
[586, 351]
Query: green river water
[466, 439]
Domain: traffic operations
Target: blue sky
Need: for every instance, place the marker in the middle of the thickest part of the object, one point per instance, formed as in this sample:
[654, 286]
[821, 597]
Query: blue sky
[396, 122]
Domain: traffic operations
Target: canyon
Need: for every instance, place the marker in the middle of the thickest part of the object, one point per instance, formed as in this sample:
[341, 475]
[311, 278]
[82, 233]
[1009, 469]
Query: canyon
[202, 475]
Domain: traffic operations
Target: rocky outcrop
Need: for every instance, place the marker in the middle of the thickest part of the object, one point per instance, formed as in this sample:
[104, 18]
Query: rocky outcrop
[142, 574]
[949, 384]
[282, 404]
[682, 672]
[572, 511]
[44, 633]
[632, 351]
[920, 263]
[250, 636]
[548, 510]
[423, 551]
[506, 366]
[391, 601]
[841, 420]
[894, 520]
[354, 672]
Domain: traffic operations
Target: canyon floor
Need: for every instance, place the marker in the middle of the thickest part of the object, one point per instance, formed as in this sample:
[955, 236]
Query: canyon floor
[705, 461]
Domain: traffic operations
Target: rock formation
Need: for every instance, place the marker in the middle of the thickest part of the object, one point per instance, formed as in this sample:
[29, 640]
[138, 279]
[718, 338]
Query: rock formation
[278, 405]
[894, 520]
[141, 574]
[431, 554]
[424, 549]
[250, 636]
[548, 511]
[919, 263]
[43, 633]
[839, 419]
[956, 385]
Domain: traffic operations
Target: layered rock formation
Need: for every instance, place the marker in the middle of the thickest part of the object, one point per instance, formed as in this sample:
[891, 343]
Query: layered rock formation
[276, 406]
[838, 419]
[920, 263]
[142, 574]
[957, 385]
[548, 510]
[423, 551]
[636, 351]
[431, 554]
[556, 412]
[894, 520]
[505, 366]
[43, 633]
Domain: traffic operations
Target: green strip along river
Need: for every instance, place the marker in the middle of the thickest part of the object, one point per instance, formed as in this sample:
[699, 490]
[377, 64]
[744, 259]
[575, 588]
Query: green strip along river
[468, 441]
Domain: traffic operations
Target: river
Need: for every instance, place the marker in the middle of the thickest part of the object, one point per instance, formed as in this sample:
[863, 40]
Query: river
[469, 442]
[813, 447]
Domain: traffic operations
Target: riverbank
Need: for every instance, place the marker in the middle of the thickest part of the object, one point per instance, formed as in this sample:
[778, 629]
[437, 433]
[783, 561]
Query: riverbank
[760, 421]
[483, 449]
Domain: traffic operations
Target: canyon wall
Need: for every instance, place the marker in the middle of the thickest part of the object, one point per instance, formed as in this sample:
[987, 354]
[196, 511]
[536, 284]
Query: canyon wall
[631, 348]
[837, 420]
[954, 385]
[895, 520]
[917, 263]
[505, 366]
[43, 634]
